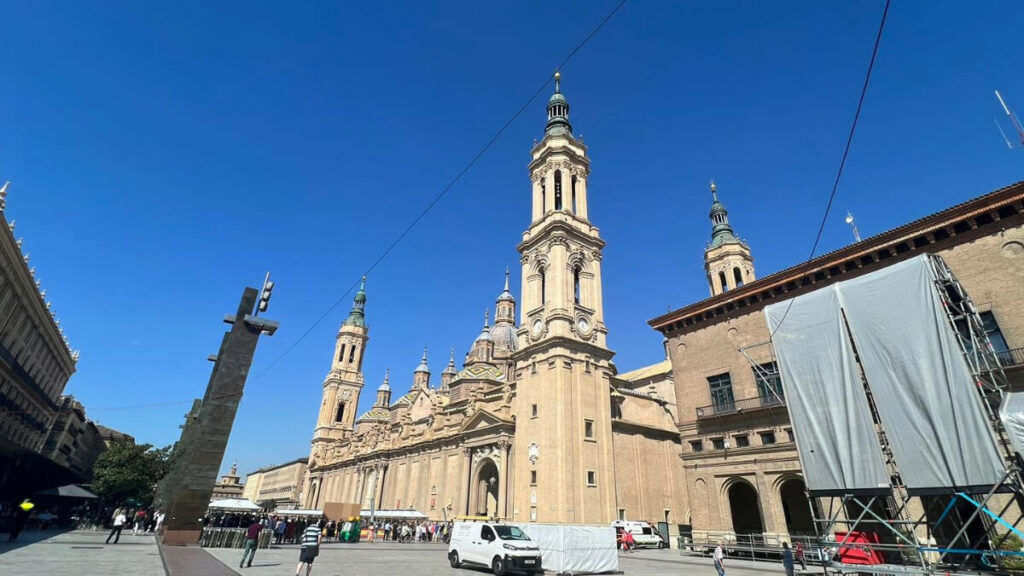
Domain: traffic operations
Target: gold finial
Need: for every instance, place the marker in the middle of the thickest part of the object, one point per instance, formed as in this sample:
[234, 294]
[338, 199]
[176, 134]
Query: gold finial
[558, 75]
[713, 187]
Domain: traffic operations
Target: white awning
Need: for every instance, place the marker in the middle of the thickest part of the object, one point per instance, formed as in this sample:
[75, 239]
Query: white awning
[280, 512]
[234, 504]
[401, 514]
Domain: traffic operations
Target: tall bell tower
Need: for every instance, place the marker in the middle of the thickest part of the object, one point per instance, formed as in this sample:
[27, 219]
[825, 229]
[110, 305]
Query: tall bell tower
[727, 259]
[563, 366]
[345, 380]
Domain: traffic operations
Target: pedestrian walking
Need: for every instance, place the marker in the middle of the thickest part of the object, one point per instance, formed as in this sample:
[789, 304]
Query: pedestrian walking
[371, 530]
[252, 540]
[787, 559]
[20, 519]
[310, 548]
[628, 542]
[798, 551]
[719, 557]
[279, 529]
[119, 522]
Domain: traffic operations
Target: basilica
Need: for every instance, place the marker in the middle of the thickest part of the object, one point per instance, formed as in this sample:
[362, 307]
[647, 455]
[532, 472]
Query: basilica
[537, 426]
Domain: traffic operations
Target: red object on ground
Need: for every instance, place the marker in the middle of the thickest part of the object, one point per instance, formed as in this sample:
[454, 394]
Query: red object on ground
[861, 554]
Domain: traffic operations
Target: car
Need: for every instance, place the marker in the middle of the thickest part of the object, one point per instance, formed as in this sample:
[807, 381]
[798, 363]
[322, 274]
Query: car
[501, 547]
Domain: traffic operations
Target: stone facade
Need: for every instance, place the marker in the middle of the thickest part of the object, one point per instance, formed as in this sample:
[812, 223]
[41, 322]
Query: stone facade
[537, 425]
[277, 486]
[35, 365]
[740, 463]
[74, 441]
[229, 486]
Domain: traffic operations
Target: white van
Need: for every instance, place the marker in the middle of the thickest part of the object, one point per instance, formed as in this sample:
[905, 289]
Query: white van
[643, 533]
[500, 547]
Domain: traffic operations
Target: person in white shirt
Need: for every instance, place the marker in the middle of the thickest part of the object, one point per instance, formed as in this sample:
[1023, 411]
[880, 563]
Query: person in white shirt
[719, 557]
[119, 521]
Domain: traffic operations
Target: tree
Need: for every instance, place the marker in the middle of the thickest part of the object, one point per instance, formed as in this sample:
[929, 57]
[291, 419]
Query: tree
[130, 471]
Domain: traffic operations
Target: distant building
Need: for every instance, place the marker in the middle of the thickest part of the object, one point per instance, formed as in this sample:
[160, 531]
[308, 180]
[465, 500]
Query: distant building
[74, 441]
[278, 486]
[35, 365]
[110, 435]
[229, 486]
[739, 458]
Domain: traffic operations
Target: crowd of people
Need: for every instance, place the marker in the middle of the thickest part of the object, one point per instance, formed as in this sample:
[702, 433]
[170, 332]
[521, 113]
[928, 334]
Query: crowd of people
[409, 531]
[30, 515]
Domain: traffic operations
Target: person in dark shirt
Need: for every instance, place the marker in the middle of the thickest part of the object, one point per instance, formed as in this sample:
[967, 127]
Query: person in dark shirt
[252, 540]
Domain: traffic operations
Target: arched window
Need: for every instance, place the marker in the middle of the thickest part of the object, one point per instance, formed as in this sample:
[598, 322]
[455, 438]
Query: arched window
[341, 354]
[340, 414]
[543, 195]
[738, 276]
[721, 280]
[352, 353]
[543, 285]
[576, 284]
[558, 189]
[573, 191]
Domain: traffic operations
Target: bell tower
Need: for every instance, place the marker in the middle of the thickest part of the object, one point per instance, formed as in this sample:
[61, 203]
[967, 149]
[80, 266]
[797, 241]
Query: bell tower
[345, 380]
[563, 365]
[727, 259]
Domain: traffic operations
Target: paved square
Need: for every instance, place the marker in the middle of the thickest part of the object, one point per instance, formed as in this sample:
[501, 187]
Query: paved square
[79, 553]
[83, 553]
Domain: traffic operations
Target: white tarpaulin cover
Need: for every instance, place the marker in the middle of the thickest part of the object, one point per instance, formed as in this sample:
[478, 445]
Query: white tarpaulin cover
[574, 549]
[234, 504]
[923, 390]
[835, 435]
[1012, 415]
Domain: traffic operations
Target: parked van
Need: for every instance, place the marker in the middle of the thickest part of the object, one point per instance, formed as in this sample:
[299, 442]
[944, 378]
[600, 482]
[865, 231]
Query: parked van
[500, 547]
[643, 534]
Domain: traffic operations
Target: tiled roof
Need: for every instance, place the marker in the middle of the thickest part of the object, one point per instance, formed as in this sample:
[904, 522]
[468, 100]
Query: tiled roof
[663, 367]
[376, 413]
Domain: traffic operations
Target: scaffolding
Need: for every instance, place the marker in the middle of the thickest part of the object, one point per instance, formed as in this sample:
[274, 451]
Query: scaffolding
[902, 540]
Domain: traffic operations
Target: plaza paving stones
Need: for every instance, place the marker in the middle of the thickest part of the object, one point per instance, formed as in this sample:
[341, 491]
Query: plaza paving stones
[83, 553]
[429, 559]
[79, 553]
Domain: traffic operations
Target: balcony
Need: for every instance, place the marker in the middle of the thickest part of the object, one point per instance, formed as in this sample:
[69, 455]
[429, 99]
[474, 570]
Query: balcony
[739, 406]
[1011, 358]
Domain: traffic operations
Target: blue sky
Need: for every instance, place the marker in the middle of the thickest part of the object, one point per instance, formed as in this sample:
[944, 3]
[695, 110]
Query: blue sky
[164, 156]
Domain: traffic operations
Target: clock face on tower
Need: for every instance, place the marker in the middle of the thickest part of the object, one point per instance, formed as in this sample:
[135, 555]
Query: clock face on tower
[583, 325]
[538, 327]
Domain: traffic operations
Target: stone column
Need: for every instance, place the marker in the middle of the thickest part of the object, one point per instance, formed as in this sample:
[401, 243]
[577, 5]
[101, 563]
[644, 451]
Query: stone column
[503, 482]
[581, 196]
[467, 469]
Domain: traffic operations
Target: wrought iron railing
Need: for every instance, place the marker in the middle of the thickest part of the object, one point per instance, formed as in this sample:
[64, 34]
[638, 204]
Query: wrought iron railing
[755, 403]
[1013, 357]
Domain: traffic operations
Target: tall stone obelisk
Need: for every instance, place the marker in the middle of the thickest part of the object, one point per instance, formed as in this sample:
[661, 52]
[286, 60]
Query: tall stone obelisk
[187, 489]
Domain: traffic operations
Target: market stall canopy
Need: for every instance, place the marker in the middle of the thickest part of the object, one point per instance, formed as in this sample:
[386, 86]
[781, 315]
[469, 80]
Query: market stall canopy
[400, 514]
[299, 512]
[234, 504]
[68, 491]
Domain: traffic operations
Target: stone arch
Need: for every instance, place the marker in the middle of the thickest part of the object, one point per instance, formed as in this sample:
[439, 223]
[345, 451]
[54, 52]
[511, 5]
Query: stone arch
[744, 506]
[314, 492]
[483, 491]
[796, 509]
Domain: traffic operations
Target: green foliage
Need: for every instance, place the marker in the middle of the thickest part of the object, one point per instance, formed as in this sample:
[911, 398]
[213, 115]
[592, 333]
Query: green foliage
[130, 471]
[1012, 543]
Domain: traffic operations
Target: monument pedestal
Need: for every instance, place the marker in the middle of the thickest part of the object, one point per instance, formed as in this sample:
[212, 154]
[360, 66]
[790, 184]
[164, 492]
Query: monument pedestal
[181, 537]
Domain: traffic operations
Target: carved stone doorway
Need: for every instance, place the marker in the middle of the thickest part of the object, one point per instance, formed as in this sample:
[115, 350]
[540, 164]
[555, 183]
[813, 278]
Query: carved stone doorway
[484, 501]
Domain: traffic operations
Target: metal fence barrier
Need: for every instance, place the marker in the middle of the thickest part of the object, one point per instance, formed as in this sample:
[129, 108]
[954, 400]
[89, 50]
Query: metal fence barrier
[756, 547]
[231, 538]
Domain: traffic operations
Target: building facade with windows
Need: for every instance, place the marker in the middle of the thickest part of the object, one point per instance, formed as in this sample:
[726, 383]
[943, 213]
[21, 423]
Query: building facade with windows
[74, 441]
[739, 459]
[35, 365]
[537, 425]
[278, 486]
